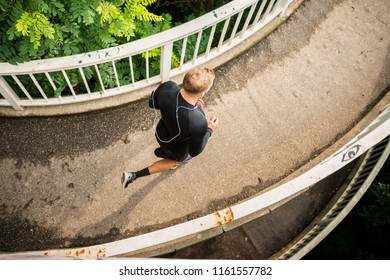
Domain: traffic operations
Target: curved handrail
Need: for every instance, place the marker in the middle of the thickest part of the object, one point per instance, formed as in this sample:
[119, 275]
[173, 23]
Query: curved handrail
[128, 49]
[359, 184]
[240, 19]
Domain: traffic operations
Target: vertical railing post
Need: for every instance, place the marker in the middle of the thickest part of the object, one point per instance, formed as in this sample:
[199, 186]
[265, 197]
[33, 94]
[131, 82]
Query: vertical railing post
[166, 61]
[8, 93]
[282, 6]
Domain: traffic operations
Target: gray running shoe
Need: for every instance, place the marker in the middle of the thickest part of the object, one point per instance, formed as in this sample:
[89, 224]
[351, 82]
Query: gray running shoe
[127, 178]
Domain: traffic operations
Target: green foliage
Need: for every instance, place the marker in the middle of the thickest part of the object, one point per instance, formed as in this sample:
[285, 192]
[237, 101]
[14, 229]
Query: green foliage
[58, 27]
[35, 25]
[137, 9]
[38, 29]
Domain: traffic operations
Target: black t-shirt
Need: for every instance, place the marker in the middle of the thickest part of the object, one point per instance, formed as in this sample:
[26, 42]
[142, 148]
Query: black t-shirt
[182, 128]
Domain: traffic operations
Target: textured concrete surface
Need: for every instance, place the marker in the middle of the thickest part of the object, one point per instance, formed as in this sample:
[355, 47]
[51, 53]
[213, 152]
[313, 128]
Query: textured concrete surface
[282, 105]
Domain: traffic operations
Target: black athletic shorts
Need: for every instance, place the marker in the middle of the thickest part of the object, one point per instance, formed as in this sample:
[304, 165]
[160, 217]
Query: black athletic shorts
[162, 152]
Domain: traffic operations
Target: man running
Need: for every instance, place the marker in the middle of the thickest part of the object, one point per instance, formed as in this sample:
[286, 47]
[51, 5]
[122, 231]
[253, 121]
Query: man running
[183, 130]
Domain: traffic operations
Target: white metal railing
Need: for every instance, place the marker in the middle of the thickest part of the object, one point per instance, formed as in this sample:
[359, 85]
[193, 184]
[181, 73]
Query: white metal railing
[79, 78]
[362, 180]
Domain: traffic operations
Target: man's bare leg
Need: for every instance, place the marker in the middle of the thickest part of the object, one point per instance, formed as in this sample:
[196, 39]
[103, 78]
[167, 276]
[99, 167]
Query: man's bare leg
[163, 165]
[158, 166]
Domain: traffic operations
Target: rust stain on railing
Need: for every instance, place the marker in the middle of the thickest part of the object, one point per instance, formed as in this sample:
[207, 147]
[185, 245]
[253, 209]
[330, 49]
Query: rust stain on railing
[224, 216]
[101, 253]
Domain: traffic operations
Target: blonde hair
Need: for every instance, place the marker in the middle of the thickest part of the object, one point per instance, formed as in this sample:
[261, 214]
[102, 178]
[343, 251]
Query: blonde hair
[198, 80]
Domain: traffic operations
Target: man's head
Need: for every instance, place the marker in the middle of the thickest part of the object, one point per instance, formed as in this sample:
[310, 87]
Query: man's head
[198, 80]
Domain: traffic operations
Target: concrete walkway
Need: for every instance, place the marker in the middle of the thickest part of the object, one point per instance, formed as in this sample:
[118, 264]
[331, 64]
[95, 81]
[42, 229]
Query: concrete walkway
[282, 105]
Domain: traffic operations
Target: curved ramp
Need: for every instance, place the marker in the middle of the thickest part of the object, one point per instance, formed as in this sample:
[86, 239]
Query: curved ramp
[285, 105]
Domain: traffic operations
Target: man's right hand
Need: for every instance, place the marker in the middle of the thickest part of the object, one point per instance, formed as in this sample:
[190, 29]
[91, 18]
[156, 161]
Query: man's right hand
[213, 123]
